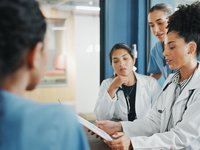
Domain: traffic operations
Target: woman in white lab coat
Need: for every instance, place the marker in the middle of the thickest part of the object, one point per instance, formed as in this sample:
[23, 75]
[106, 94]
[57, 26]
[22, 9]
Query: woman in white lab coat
[174, 121]
[127, 95]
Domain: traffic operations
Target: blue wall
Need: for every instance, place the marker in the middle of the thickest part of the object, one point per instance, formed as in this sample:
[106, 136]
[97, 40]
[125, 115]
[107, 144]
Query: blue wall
[122, 21]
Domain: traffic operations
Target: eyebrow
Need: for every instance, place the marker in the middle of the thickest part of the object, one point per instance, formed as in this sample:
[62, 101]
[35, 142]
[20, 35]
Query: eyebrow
[159, 19]
[119, 57]
[170, 42]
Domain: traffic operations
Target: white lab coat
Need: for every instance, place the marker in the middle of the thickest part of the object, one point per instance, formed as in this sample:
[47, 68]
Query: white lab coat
[147, 91]
[186, 128]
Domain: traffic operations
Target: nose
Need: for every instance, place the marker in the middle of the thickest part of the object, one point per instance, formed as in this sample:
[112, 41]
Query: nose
[121, 63]
[165, 51]
[156, 29]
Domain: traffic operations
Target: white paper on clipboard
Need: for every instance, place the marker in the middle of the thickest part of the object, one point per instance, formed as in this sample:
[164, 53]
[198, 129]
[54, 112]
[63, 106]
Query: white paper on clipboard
[94, 129]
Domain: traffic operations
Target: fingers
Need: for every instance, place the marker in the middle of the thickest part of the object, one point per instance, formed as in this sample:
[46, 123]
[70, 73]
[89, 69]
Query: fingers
[117, 135]
[118, 81]
[100, 124]
[91, 132]
[121, 143]
[103, 123]
[123, 79]
[114, 144]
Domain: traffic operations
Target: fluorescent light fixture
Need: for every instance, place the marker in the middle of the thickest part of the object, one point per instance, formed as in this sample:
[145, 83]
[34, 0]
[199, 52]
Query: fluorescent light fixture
[88, 8]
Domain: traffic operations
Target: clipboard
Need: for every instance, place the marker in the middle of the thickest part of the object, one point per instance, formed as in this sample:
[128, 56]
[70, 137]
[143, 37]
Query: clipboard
[94, 129]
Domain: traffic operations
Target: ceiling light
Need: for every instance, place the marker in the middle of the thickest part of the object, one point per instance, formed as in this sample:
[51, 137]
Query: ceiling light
[89, 8]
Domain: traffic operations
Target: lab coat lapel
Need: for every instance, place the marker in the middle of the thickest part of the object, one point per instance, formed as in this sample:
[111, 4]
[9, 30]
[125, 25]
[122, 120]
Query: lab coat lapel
[191, 86]
[168, 103]
[138, 93]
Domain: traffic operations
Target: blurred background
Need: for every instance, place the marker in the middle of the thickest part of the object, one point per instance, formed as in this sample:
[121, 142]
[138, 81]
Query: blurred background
[80, 34]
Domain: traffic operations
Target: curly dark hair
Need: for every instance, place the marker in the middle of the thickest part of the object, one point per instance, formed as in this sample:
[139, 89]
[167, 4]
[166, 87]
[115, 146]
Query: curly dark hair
[22, 25]
[120, 46]
[186, 22]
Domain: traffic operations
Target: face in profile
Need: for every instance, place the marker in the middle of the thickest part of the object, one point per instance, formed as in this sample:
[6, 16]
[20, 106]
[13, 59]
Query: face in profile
[158, 23]
[122, 62]
[177, 51]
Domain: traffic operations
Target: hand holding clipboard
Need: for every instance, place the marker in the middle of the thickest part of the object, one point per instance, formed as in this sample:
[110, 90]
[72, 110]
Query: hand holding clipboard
[95, 129]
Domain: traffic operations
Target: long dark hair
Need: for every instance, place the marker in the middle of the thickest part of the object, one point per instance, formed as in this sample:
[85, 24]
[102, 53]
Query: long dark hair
[22, 25]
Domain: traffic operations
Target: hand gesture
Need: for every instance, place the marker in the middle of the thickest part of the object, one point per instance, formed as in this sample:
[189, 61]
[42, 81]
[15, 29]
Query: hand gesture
[108, 126]
[121, 142]
[116, 83]
[92, 133]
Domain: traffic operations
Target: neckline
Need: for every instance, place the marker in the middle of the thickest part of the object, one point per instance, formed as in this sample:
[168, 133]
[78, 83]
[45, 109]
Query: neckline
[128, 89]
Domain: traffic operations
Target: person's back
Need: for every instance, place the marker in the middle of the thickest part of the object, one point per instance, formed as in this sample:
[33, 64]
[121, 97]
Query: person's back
[27, 125]
[33, 126]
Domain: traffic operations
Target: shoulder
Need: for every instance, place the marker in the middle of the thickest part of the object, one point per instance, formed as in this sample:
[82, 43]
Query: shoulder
[56, 124]
[50, 125]
[35, 115]
[60, 127]
[157, 47]
[168, 81]
[51, 115]
[107, 81]
[145, 78]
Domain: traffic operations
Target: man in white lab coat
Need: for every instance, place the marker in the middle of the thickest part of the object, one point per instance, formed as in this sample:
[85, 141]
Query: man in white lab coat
[174, 121]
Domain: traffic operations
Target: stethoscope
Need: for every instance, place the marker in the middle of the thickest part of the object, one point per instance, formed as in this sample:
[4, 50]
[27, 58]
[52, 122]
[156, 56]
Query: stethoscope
[127, 101]
[126, 98]
[185, 108]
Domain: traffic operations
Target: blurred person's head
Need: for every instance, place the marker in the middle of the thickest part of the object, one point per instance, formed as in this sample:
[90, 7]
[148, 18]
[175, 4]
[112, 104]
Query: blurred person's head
[182, 43]
[122, 59]
[22, 34]
[157, 19]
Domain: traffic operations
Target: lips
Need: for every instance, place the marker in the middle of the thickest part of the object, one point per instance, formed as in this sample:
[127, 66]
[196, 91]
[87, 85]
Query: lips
[159, 35]
[168, 61]
[123, 69]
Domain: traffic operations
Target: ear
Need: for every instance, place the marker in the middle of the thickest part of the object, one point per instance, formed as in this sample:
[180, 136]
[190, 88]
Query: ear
[34, 56]
[192, 48]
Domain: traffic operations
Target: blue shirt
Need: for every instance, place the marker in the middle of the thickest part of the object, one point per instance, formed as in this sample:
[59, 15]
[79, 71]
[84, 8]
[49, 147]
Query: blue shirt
[157, 62]
[27, 125]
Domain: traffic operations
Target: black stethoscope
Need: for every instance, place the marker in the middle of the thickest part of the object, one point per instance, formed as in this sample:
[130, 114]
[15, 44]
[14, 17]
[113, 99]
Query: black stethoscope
[185, 108]
[126, 98]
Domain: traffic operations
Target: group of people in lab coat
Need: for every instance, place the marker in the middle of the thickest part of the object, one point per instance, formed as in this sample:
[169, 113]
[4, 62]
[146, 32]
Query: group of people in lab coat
[171, 118]
[149, 117]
